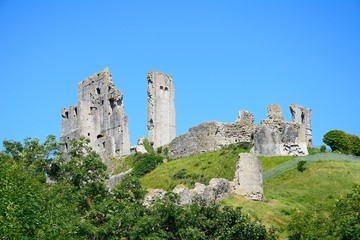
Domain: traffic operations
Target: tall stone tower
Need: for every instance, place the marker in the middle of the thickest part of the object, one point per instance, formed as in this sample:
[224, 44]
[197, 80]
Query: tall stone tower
[98, 116]
[302, 115]
[161, 109]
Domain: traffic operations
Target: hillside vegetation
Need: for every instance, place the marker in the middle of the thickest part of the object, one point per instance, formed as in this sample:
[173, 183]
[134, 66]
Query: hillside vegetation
[288, 191]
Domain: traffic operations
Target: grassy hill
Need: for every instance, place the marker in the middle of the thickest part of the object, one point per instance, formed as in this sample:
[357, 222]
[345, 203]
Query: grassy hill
[286, 189]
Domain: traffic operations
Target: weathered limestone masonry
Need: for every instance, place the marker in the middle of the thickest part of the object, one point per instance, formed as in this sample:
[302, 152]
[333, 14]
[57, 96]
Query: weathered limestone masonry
[248, 180]
[211, 136]
[161, 109]
[276, 137]
[98, 116]
[302, 115]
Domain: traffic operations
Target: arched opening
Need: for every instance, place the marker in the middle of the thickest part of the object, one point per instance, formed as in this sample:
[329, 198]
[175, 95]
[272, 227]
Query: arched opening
[99, 136]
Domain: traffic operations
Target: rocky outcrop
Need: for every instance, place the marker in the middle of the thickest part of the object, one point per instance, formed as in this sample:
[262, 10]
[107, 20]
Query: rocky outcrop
[217, 190]
[140, 147]
[276, 137]
[302, 115]
[153, 195]
[211, 136]
[161, 109]
[99, 116]
[248, 177]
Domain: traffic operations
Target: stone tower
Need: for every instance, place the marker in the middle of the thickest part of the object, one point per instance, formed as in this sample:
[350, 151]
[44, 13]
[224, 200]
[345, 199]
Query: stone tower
[302, 115]
[98, 116]
[161, 109]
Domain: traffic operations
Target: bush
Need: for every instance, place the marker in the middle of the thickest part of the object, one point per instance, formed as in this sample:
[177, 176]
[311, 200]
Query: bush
[340, 141]
[246, 146]
[343, 222]
[337, 140]
[300, 165]
[146, 163]
[148, 146]
[323, 148]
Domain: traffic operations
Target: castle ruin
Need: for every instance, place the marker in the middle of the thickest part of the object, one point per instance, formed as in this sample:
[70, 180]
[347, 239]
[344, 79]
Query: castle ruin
[98, 116]
[161, 109]
[276, 137]
[302, 115]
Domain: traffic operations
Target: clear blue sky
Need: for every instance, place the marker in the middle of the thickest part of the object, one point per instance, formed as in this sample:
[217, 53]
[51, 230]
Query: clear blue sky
[223, 55]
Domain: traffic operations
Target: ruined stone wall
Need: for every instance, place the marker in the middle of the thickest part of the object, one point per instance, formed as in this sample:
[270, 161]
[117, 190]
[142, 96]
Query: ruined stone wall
[98, 116]
[161, 109]
[302, 115]
[276, 137]
[211, 136]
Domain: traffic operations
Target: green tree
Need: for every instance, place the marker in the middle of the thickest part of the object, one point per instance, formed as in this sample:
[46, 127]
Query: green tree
[337, 140]
[346, 216]
[36, 156]
[84, 167]
[343, 221]
[29, 209]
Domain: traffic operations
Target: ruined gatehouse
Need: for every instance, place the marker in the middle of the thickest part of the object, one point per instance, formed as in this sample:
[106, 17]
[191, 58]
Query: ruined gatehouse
[99, 116]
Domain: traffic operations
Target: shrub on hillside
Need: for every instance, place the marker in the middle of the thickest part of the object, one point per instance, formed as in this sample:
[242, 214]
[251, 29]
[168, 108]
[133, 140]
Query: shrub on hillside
[343, 222]
[145, 163]
[343, 142]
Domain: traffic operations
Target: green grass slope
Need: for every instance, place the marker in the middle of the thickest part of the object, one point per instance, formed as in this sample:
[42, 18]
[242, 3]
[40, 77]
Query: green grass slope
[186, 171]
[286, 189]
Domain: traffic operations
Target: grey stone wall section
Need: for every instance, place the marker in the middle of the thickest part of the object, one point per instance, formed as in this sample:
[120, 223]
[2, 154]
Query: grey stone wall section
[99, 116]
[248, 180]
[245, 117]
[302, 115]
[115, 179]
[275, 113]
[211, 136]
[276, 137]
[161, 109]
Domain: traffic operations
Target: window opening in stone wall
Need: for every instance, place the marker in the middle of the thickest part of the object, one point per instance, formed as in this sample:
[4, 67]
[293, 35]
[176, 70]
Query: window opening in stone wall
[112, 103]
[66, 115]
[103, 144]
[75, 112]
[302, 118]
[166, 89]
[66, 146]
[161, 87]
[99, 136]
[88, 134]
[98, 90]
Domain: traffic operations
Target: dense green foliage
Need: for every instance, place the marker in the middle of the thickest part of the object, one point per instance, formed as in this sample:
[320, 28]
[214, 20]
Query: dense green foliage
[145, 163]
[301, 165]
[343, 222]
[78, 206]
[343, 142]
[148, 146]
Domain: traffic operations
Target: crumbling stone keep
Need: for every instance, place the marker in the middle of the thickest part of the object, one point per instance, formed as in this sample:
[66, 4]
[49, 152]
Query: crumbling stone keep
[161, 109]
[98, 116]
[302, 115]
